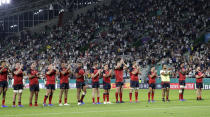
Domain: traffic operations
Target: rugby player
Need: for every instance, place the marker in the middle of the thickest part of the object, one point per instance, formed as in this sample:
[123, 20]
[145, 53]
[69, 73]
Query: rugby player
[134, 82]
[107, 74]
[18, 83]
[119, 68]
[152, 80]
[165, 81]
[199, 82]
[4, 70]
[33, 76]
[80, 83]
[64, 83]
[51, 73]
[95, 73]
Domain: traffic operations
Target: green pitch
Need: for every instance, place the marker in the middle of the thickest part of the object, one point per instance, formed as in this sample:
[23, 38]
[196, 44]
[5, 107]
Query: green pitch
[189, 108]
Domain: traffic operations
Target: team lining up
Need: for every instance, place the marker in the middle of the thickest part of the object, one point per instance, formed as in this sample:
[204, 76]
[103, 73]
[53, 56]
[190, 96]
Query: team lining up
[65, 71]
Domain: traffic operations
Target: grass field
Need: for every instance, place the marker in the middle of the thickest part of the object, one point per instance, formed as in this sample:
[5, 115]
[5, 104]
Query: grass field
[189, 108]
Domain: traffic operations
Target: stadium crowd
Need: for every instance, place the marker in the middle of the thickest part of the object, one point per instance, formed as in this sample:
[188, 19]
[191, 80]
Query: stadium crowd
[148, 31]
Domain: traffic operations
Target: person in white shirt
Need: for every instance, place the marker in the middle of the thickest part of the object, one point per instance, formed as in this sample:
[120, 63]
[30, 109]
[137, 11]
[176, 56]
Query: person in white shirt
[165, 81]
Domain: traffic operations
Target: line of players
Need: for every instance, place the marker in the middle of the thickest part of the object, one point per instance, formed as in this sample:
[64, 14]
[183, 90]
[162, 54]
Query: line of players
[65, 71]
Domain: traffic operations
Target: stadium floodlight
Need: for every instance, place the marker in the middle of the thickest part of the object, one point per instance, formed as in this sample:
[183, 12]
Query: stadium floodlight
[8, 1]
[3, 1]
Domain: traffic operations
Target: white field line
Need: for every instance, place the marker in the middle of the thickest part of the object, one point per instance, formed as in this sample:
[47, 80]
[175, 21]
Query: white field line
[102, 111]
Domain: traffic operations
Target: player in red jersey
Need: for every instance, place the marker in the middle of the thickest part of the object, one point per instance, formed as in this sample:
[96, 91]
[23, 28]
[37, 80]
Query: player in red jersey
[152, 80]
[64, 83]
[134, 82]
[80, 83]
[199, 82]
[3, 81]
[182, 76]
[95, 73]
[33, 76]
[51, 73]
[119, 68]
[18, 83]
[106, 83]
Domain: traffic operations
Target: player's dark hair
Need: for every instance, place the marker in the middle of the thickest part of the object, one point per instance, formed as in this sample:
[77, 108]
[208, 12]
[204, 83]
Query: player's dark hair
[2, 61]
[118, 60]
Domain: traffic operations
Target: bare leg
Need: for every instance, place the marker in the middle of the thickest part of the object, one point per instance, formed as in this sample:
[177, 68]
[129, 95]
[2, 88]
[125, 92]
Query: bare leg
[78, 94]
[98, 92]
[1, 90]
[167, 94]
[4, 96]
[65, 95]
[98, 95]
[36, 97]
[31, 98]
[19, 98]
[14, 98]
[93, 92]
[60, 95]
[163, 94]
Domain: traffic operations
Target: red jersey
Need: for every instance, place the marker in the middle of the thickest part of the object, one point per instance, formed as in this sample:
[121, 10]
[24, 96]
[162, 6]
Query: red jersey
[35, 80]
[64, 78]
[81, 72]
[3, 74]
[106, 79]
[152, 79]
[18, 79]
[94, 71]
[119, 74]
[50, 78]
[199, 80]
[182, 76]
[134, 77]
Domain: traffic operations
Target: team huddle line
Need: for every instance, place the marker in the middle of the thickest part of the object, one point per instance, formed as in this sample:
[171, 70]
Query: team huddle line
[106, 73]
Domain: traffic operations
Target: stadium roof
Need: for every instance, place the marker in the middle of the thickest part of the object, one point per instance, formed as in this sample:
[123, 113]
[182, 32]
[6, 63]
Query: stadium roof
[18, 6]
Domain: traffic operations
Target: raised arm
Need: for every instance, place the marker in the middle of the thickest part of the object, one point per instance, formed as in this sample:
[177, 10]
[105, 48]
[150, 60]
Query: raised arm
[95, 75]
[19, 70]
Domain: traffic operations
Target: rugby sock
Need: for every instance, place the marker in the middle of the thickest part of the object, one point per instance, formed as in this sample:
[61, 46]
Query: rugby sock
[136, 95]
[116, 96]
[107, 96]
[60, 101]
[45, 98]
[19, 103]
[153, 95]
[148, 96]
[182, 93]
[3, 102]
[82, 97]
[130, 95]
[98, 99]
[166, 97]
[180, 96]
[50, 99]
[65, 100]
[104, 95]
[36, 104]
[13, 102]
[93, 100]
[120, 96]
